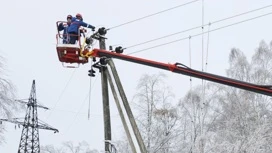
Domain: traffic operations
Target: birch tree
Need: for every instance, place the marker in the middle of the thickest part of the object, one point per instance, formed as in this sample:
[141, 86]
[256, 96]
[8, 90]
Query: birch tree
[227, 119]
[69, 147]
[7, 95]
[215, 118]
[244, 125]
[156, 115]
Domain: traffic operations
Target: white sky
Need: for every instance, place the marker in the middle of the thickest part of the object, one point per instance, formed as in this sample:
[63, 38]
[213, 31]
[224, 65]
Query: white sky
[28, 44]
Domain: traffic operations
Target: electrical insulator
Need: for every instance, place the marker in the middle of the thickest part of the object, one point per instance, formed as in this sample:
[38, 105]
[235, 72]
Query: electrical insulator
[102, 31]
[119, 49]
[103, 61]
[110, 47]
[89, 41]
[91, 73]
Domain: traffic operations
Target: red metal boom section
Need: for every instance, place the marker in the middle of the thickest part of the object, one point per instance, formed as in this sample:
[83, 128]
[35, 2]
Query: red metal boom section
[177, 68]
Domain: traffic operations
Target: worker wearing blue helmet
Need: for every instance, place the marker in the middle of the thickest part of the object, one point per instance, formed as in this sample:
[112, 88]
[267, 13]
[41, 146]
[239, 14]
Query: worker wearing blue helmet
[64, 27]
[73, 29]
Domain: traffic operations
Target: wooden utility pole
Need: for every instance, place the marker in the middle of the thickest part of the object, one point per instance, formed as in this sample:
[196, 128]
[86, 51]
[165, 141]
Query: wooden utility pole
[105, 95]
[121, 113]
[127, 107]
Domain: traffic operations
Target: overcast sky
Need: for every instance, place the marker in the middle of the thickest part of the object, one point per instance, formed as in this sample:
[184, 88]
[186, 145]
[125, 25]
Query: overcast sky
[28, 44]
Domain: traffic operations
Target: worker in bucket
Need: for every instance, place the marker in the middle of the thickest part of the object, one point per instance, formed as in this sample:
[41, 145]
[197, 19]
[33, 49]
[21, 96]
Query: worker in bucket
[73, 29]
[64, 27]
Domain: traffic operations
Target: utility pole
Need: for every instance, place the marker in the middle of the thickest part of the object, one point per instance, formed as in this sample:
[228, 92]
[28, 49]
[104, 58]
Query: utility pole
[100, 35]
[30, 142]
[105, 76]
[127, 107]
[133, 149]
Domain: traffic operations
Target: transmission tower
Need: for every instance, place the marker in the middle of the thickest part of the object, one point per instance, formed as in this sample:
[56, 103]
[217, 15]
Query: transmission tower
[29, 142]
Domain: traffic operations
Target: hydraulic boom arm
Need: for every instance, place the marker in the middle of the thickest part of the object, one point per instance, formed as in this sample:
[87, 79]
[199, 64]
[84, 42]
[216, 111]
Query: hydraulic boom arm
[179, 68]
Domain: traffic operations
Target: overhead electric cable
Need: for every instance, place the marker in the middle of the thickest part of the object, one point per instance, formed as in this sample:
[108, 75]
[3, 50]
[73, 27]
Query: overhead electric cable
[200, 26]
[81, 106]
[60, 96]
[229, 25]
[207, 53]
[150, 15]
[90, 92]
[202, 37]
[202, 64]
[190, 65]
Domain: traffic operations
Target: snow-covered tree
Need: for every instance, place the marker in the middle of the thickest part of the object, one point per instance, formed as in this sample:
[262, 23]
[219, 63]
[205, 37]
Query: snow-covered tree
[246, 124]
[7, 94]
[69, 147]
[244, 118]
[155, 113]
[214, 118]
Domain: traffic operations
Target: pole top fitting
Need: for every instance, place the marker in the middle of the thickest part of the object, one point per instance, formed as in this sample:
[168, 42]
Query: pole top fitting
[102, 31]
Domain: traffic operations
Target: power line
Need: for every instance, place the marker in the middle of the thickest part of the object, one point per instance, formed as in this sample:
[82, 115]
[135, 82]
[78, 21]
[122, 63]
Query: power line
[251, 11]
[62, 93]
[207, 53]
[142, 43]
[229, 25]
[90, 91]
[190, 63]
[200, 26]
[202, 35]
[76, 112]
[82, 104]
[153, 14]
[203, 87]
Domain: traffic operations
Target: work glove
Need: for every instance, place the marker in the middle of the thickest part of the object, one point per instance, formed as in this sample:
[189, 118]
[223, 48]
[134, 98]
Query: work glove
[93, 28]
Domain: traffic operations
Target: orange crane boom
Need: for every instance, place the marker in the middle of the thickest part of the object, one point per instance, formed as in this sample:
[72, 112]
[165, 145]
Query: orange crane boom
[182, 69]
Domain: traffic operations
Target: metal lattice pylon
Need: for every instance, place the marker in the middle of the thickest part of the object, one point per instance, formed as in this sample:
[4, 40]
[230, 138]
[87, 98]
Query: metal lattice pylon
[29, 142]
